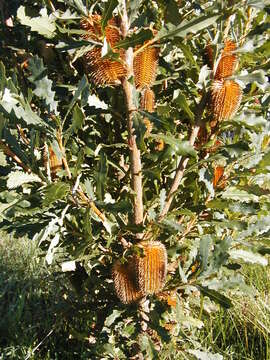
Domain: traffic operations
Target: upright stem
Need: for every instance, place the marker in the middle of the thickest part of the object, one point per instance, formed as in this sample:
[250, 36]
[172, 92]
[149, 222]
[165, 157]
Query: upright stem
[179, 174]
[135, 157]
[184, 160]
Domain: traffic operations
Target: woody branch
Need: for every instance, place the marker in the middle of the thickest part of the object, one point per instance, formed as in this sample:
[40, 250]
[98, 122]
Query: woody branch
[135, 157]
[184, 160]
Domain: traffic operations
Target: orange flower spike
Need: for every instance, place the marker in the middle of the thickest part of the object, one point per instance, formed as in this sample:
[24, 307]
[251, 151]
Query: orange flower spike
[92, 25]
[228, 61]
[226, 97]
[103, 71]
[151, 267]
[145, 66]
[112, 32]
[124, 283]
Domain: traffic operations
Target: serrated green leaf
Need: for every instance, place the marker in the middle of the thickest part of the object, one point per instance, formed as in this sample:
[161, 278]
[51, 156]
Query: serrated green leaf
[18, 178]
[81, 86]
[15, 146]
[188, 54]
[30, 117]
[51, 250]
[101, 175]
[206, 178]
[171, 225]
[233, 193]
[237, 149]
[55, 192]
[147, 346]
[172, 12]
[224, 283]
[192, 26]
[111, 318]
[77, 119]
[80, 52]
[260, 4]
[37, 69]
[44, 91]
[44, 24]
[133, 9]
[2, 77]
[248, 256]
[181, 101]
[257, 76]
[261, 226]
[135, 39]
[14, 105]
[181, 147]
[123, 206]
[78, 5]
[107, 12]
[128, 330]
[251, 120]
[158, 122]
[94, 101]
[5, 206]
[220, 254]
[262, 180]
[89, 189]
[205, 245]
[215, 296]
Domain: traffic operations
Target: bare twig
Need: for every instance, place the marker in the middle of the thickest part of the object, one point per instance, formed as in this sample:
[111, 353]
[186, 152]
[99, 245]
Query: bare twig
[184, 160]
[135, 157]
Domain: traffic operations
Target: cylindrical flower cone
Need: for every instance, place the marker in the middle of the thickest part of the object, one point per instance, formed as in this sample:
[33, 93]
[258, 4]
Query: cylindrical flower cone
[226, 97]
[151, 267]
[124, 283]
[103, 71]
[228, 61]
[145, 66]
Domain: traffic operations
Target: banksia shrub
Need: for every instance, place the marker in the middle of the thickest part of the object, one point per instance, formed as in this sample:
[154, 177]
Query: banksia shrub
[145, 66]
[103, 71]
[228, 61]
[151, 267]
[124, 283]
[226, 97]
